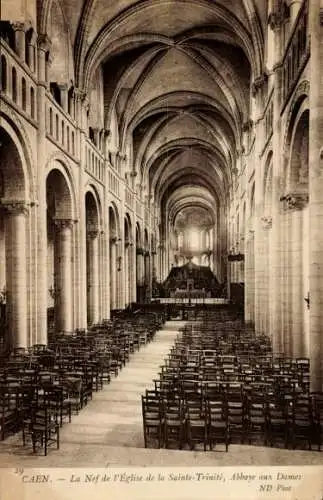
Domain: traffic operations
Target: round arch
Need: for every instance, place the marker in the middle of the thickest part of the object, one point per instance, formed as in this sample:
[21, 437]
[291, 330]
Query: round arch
[114, 220]
[90, 188]
[20, 171]
[59, 164]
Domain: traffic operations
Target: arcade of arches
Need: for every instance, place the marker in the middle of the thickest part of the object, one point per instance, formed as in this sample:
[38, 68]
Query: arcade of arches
[139, 136]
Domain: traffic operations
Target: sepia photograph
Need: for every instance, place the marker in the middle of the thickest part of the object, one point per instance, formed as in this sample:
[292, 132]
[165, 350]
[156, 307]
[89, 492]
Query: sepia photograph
[161, 249]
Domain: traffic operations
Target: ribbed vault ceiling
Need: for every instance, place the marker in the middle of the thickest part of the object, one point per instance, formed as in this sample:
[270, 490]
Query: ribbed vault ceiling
[177, 78]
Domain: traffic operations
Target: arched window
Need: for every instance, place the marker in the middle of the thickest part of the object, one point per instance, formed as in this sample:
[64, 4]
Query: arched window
[3, 74]
[63, 133]
[91, 135]
[23, 94]
[55, 91]
[57, 128]
[68, 137]
[71, 101]
[28, 37]
[73, 144]
[14, 84]
[50, 121]
[32, 104]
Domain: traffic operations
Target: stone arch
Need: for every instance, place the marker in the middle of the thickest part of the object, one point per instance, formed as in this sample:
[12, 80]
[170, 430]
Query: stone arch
[128, 228]
[299, 105]
[58, 163]
[115, 255]
[138, 235]
[92, 222]
[298, 174]
[60, 232]
[18, 160]
[60, 196]
[114, 221]
[146, 239]
[14, 247]
[91, 189]
[295, 238]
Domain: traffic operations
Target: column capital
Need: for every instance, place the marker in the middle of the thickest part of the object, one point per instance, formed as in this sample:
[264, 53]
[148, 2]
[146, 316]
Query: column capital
[44, 42]
[19, 26]
[128, 243]
[267, 221]
[258, 83]
[277, 18]
[115, 240]
[64, 223]
[92, 233]
[247, 125]
[294, 201]
[15, 207]
[62, 86]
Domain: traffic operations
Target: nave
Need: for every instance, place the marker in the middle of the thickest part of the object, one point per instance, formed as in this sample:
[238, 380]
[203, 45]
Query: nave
[108, 431]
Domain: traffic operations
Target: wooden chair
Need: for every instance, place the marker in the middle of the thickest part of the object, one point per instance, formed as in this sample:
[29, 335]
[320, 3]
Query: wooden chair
[217, 423]
[302, 425]
[8, 412]
[42, 426]
[175, 421]
[153, 419]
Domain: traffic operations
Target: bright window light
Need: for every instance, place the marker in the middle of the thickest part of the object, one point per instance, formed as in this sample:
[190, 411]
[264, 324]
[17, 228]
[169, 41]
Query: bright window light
[194, 240]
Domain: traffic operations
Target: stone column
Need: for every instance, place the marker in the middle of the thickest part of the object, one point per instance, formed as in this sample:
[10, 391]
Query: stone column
[275, 257]
[64, 96]
[20, 39]
[121, 273]
[16, 272]
[258, 94]
[297, 203]
[133, 270]
[63, 275]
[31, 54]
[126, 274]
[285, 277]
[42, 278]
[93, 275]
[102, 276]
[249, 278]
[81, 104]
[148, 275]
[113, 273]
[266, 225]
[315, 195]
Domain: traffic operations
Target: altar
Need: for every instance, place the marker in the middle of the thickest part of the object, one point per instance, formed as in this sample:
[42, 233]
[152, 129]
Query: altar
[191, 281]
[190, 293]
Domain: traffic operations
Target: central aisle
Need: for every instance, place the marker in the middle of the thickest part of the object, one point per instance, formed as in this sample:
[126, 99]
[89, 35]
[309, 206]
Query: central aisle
[114, 416]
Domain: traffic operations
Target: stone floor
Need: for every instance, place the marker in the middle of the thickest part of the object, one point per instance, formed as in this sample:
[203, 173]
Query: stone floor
[108, 432]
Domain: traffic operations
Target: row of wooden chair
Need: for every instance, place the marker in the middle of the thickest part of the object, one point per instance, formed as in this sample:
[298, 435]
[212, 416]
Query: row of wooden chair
[42, 387]
[223, 363]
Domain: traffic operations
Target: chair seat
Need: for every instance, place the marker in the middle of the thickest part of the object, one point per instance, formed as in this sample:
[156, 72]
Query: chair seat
[153, 422]
[7, 414]
[218, 425]
[196, 423]
[43, 427]
[257, 420]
